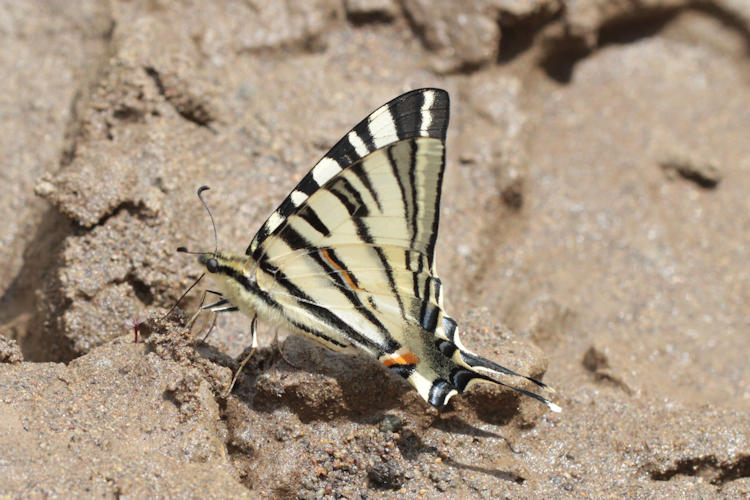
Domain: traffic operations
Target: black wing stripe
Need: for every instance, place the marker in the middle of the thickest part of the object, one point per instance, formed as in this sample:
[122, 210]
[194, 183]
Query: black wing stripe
[253, 288]
[343, 286]
[308, 184]
[306, 302]
[311, 217]
[439, 392]
[438, 112]
[415, 277]
[449, 327]
[403, 370]
[436, 218]
[351, 207]
[260, 236]
[363, 132]
[344, 151]
[294, 239]
[354, 203]
[447, 347]
[286, 208]
[461, 378]
[391, 281]
[437, 287]
[250, 286]
[413, 185]
[407, 118]
[315, 333]
[397, 176]
[430, 313]
[365, 180]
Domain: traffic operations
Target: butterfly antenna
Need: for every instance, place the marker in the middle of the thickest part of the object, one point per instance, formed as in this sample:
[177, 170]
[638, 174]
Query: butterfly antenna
[200, 197]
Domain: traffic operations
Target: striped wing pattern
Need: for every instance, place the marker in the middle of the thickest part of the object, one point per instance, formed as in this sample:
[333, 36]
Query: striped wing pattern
[349, 254]
[419, 113]
[348, 258]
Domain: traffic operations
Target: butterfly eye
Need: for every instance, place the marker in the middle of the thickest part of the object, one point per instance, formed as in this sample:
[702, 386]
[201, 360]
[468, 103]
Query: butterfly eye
[212, 265]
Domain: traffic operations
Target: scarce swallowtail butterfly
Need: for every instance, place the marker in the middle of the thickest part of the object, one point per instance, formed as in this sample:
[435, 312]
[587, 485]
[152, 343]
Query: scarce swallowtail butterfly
[347, 259]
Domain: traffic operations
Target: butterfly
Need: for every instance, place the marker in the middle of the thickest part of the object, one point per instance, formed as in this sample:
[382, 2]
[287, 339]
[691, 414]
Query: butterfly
[348, 258]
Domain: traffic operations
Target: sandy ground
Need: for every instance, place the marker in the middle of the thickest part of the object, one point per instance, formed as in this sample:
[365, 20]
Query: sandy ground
[595, 231]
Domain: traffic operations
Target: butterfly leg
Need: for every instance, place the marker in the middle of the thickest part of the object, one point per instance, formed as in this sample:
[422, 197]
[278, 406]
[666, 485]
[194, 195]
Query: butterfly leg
[201, 307]
[222, 305]
[210, 329]
[192, 319]
[280, 348]
[253, 346]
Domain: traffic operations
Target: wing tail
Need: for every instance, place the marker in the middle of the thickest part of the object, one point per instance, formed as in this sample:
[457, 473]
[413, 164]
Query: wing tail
[481, 364]
[459, 368]
[473, 375]
[438, 390]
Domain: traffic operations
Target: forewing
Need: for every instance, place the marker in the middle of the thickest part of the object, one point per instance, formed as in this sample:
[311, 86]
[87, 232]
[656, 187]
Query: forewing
[419, 113]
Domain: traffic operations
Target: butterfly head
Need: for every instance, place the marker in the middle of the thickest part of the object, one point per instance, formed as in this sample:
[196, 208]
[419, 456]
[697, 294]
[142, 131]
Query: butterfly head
[217, 263]
[210, 261]
[234, 267]
[232, 276]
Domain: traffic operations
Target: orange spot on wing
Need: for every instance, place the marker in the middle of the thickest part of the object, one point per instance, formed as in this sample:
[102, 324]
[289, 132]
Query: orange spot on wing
[404, 358]
[344, 273]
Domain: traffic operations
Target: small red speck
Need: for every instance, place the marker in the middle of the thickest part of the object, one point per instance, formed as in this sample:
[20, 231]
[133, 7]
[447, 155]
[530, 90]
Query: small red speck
[135, 325]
